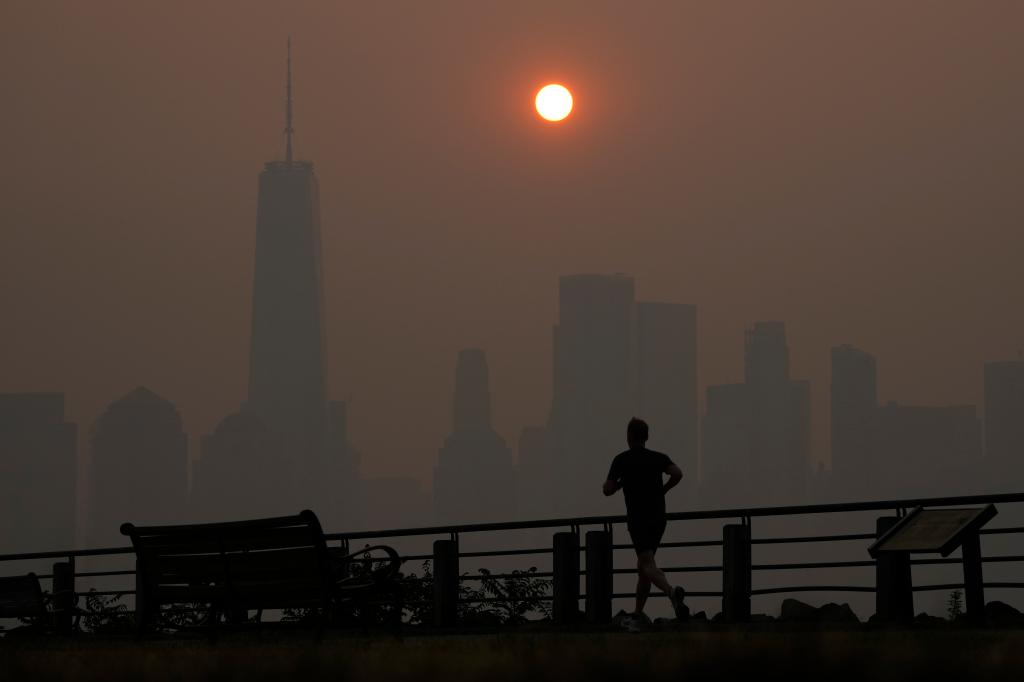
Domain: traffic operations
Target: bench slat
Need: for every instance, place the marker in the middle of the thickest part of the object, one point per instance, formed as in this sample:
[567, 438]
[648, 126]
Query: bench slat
[21, 597]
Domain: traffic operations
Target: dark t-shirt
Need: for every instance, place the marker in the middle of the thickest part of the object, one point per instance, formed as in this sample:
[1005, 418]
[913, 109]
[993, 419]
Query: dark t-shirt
[640, 474]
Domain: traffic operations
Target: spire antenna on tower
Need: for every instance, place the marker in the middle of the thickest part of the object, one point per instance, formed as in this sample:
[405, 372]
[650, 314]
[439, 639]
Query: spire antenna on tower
[289, 131]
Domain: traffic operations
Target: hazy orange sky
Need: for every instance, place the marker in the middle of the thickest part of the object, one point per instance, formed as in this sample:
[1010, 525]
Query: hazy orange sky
[851, 168]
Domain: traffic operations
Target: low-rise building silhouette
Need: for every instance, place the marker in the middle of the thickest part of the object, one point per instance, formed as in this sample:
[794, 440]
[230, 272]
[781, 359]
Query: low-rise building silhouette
[139, 457]
[927, 451]
[757, 434]
[474, 479]
[38, 461]
[1004, 423]
[241, 472]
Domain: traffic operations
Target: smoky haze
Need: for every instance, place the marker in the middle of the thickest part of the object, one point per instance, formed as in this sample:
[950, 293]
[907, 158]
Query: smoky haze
[853, 170]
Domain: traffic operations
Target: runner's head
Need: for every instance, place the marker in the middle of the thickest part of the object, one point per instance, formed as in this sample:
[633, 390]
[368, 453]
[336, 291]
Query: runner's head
[636, 433]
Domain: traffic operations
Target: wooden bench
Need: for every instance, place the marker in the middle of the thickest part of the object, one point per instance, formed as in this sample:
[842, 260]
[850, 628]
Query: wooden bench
[22, 597]
[228, 569]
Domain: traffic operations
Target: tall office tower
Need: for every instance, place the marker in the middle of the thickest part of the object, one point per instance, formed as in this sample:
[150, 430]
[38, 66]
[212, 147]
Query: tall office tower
[241, 472]
[1004, 423]
[139, 459]
[37, 473]
[854, 407]
[666, 383]
[593, 384]
[474, 479]
[287, 362]
[927, 451]
[778, 415]
[726, 471]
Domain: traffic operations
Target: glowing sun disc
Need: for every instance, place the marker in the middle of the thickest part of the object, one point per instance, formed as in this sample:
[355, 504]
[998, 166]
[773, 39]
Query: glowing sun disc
[554, 102]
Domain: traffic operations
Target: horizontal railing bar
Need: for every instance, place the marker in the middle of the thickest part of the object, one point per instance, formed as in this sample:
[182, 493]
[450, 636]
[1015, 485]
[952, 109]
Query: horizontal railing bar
[813, 588]
[25, 556]
[673, 569]
[670, 545]
[1005, 557]
[813, 538]
[740, 512]
[491, 600]
[510, 575]
[659, 595]
[100, 574]
[1007, 529]
[508, 552]
[821, 564]
[104, 593]
[960, 586]
[418, 557]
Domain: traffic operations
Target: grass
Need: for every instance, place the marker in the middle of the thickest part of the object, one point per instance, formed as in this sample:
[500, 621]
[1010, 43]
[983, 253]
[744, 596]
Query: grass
[722, 654]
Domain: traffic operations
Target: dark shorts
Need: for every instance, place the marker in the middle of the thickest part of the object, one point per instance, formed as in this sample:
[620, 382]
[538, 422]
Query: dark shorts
[646, 533]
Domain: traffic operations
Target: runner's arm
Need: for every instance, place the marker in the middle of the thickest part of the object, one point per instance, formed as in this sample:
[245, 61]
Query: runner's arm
[611, 487]
[675, 474]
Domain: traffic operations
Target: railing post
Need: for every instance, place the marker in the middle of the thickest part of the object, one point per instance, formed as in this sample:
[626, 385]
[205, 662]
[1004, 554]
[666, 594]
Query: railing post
[974, 585]
[599, 576]
[146, 606]
[64, 600]
[446, 582]
[736, 573]
[566, 579]
[894, 594]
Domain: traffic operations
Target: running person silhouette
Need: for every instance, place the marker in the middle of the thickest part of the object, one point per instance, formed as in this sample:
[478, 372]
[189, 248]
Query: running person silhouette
[638, 472]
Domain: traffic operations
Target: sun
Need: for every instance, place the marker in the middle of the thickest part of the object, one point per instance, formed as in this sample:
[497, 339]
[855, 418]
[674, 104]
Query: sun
[554, 102]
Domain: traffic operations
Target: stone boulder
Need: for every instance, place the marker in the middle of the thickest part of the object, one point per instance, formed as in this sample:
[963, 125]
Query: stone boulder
[796, 611]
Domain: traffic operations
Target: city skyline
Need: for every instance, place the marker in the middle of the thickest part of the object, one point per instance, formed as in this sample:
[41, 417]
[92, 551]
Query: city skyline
[429, 246]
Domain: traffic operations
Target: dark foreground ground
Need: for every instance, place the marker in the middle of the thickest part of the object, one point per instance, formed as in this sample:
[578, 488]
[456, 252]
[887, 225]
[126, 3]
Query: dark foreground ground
[707, 654]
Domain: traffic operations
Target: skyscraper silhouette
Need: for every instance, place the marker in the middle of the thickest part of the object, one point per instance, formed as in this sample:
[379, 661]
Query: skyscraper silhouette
[287, 364]
[593, 383]
[139, 460]
[779, 416]
[287, 396]
[666, 383]
[854, 409]
[473, 480]
[37, 473]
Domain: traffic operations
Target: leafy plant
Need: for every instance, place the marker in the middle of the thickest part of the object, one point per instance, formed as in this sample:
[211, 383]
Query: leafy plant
[506, 600]
[955, 604]
[105, 613]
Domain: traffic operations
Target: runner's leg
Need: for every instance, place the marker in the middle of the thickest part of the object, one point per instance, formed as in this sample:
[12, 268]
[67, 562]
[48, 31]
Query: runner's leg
[643, 589]
[648, 569]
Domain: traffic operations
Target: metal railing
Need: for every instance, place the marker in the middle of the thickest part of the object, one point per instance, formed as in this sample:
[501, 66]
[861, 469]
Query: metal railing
[566, 551]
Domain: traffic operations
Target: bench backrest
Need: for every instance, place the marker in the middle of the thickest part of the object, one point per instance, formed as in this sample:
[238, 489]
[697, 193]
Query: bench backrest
[21, 597]
[279, 562]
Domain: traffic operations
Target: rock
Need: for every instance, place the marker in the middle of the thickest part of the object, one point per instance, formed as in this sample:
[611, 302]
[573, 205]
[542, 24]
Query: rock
[837, 613]
[928, 619]
[796, 611]
[1001, 614]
